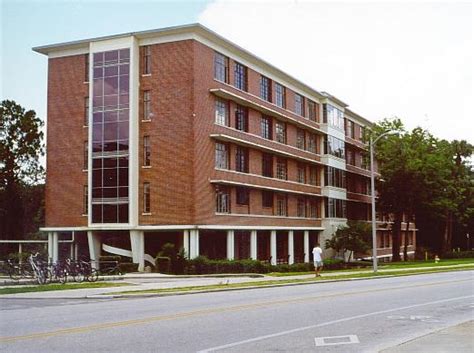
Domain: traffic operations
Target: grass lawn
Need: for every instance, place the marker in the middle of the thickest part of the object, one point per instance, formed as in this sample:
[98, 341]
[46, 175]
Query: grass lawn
[429, 263]
[57, 286]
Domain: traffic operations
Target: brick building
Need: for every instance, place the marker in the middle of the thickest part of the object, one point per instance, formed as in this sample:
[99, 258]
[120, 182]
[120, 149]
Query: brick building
[178, 135]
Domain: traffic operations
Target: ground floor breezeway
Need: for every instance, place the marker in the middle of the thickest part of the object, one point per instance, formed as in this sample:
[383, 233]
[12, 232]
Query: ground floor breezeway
[275, 246]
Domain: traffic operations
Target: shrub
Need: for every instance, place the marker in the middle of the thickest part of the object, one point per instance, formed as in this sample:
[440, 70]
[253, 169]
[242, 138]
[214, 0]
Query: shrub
[163, 264]
[333, 264]
[127, 267]
[459, 255]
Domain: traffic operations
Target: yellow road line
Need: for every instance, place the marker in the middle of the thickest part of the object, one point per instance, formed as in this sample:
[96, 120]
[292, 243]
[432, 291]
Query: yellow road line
[89, 328]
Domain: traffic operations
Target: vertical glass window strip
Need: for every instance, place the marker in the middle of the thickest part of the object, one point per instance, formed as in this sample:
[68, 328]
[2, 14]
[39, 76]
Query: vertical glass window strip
[280, 98]
[265, 88]
[86, 111]
[222, 156]
[361, 132]
[221, 67]
[300, 139]
[266, 127]
[313, 111]
[85, 164]
[299, 104]
[282, 169]
[267, 198]
[333, 116]
[146, 151]
[222, 112]
[313, 176]
[146, 60]
[241, 160]
[242, 196]
[241, 118]
[146, 105]
[334, 146]
[110, 136]
[335, 208]
[301, 207]
[222, 200]
[146, 198]
[282, 209]
[312, 143]
[240, 76]
[314, 209]
[267, 165]
[85, 200]
[280, 129]
[301, 173]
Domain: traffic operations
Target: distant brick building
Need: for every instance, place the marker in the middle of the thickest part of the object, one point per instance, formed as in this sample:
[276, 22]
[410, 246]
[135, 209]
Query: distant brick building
[178, 135]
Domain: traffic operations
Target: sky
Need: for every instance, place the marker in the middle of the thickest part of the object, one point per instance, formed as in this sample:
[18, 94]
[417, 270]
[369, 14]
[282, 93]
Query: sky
[412, 60]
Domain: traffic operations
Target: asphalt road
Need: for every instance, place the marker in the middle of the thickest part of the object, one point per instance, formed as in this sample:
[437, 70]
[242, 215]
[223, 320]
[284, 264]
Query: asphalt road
[352, 316]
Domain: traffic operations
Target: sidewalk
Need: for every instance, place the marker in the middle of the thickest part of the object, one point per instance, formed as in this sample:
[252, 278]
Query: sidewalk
[459, 339]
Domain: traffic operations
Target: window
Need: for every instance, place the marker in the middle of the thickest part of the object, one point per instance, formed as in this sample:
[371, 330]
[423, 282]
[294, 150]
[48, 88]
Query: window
[267, 165]
[334, 146]
[300, 139]
[335, 208]
[361, 132]
[85, 200]
[146, 197]
[86, 111]
[282, 205]
[267, 198]
[282, 169]
[242, 160]
[280, 96]
[301, 207]
[280, 129]
[301, 173]
[350, 157]
[313, 176]
[299, 104]
[334, 177]
[86, 68]
[350, 129]
[314, 211]
[146, 60]
[240, 76]
[85, 164]
[333, 116]
[242, 196]
[222, 112]
[266, 127]
[146, 105]
[241, 118]
[265, 88]
[222, 156]
[221, 67]
[312, 145]
[222, 200]
[313, 110]
[146, 151]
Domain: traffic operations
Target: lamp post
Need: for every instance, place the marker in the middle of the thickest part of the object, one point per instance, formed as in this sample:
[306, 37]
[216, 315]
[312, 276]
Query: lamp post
[372, 193]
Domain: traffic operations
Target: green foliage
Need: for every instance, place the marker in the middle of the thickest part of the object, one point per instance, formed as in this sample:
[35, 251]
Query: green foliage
[459, 255]
[202, 265]
[163, 264]
[127, 267]
[177, 259]
[356, 237]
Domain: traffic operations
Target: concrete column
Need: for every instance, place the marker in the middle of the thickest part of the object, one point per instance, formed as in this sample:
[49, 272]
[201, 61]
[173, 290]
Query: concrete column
[253, 245]
[186, 243]
[273, 246]
[230, 245]
[71, 251]
[20, 250]
[291, 248]
[306, 246]
[137, 240]
[76, 251]
[55, 247]
[94, 248]
[50, 246]
[194, 243]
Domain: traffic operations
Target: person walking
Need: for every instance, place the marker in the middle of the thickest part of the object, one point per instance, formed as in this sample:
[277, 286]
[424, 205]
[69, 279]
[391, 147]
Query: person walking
[318, 259]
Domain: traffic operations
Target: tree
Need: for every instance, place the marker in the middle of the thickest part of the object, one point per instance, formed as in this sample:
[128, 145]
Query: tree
[354, 238]
[21, 146]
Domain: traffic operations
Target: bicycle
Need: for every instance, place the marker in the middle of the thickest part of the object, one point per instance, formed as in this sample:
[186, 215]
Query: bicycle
[59, 273]
[40, 271]
[18, 271]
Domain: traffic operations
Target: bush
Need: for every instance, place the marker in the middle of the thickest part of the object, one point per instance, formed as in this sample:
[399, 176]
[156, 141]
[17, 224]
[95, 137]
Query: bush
[459, 255]
[333, 264]
[127, 267]
[177, 259]
[163, 264]
[202, 265]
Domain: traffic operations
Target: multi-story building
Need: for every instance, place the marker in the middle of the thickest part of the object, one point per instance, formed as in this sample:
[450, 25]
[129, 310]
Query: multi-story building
[178, 135]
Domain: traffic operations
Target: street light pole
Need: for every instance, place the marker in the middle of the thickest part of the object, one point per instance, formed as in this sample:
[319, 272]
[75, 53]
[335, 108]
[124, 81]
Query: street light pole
[372, 192]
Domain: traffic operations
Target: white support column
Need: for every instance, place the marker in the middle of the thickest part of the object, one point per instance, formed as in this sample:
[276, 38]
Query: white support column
[94, 248]
[230, 245]
[55, 247]
[186, 243]
[20, 250]
[76, 251]
[50, 246]
[193, 243]
[253, 245]
[196, 239]
[273, 246]
[306, 246]
[291, 248]
[137, 240]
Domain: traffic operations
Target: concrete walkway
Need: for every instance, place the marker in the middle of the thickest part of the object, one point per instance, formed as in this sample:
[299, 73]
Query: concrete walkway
[459, 339]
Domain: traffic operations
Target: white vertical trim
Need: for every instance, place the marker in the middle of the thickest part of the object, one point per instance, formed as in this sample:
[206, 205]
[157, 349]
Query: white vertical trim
[291, 248]
[94, 247]
[50, 246]
[55, 247]
[230, 245]
[253, 245]
[89, 138]
[306, 246]
[186, 243]
[196, 239]
[137, 242]
[273, 247]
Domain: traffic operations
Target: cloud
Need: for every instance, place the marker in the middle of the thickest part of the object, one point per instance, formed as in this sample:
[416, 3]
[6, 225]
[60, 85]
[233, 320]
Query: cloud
[411, 60]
